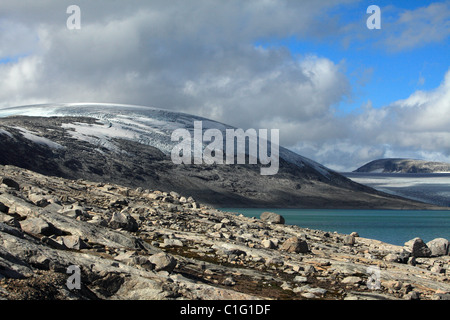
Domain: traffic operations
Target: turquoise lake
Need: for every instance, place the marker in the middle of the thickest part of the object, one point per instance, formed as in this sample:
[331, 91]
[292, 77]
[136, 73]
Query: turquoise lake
[391, 226]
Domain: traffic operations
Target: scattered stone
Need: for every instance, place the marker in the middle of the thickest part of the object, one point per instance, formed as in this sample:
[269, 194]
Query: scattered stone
[229, 282]
[411, 261]
[352, 280]
[75, 242]
[122, 220]
[437, 269]
[308, 295]
[391, 257]
[178, 253]
[439, 247]
[272, 218]
[37, 226]
[9, 220]
[349, 240]
[413, 295]
[417, 248]
[295, 245]
[10, 183]
[268, 244]
[163, 262]
[300, 279]
[173, 243]
[39, 200]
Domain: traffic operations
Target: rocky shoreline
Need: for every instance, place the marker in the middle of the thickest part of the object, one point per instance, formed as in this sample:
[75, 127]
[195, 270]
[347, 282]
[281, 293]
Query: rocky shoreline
[136, 244]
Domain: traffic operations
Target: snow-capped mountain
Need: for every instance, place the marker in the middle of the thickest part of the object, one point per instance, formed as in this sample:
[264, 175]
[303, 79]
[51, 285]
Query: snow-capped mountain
[131, 145]
[146, 125]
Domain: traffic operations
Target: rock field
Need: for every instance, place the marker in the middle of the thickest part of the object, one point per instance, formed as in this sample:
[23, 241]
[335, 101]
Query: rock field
[136, 244]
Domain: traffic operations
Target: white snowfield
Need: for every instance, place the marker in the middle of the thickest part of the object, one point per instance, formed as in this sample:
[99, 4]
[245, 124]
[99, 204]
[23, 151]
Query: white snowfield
[146, 125]
[37, 139]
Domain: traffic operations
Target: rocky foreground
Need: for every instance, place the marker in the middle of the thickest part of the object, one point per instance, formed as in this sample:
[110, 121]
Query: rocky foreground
[145, 244]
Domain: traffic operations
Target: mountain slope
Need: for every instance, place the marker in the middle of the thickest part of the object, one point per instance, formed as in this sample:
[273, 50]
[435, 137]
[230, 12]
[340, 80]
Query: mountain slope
[131, 146]
[404, 166]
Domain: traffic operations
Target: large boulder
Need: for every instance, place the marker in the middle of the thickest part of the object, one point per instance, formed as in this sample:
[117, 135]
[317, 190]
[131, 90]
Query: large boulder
[417, 248]
[272, 218]
[295, 245]
[438, 247]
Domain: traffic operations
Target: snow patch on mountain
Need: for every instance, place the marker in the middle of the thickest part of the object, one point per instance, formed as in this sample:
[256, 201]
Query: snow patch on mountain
[27, 134]
[146, 125]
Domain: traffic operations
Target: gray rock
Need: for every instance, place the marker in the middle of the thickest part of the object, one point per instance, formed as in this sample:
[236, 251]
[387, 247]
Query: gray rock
[59, 245]
[295, 245]
[308, 295]
[319, 291]
[349, 240]
[10, 183]
[352, 280]
[268, 244]
[417, 248]
[75, 242]
[437, 269]
[173, 243]
[163, 262]
[72, 213]
[122, 220]
[98, 220]
[438, 247]
[301, 279]
[37, 226]
[10, 221]
[411, 261]
[39, 199]
[272, 218]
[10, 230]
[229, 282]
[391, 257]
[131, 258]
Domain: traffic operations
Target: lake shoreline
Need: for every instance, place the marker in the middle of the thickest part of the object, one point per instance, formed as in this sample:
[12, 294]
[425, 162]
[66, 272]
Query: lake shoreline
[390, 226]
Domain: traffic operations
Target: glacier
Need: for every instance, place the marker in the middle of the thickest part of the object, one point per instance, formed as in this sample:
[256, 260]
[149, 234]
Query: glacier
[146, 125]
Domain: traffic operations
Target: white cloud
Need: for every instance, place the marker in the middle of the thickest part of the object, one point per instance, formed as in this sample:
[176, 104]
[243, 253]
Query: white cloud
[177, 55]
[416, 127]
[419, 27]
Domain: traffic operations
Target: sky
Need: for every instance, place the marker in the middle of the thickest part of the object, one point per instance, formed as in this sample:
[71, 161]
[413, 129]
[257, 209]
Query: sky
[340, 93]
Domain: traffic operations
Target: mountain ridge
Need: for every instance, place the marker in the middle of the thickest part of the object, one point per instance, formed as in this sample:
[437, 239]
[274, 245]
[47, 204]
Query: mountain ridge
[130, 146]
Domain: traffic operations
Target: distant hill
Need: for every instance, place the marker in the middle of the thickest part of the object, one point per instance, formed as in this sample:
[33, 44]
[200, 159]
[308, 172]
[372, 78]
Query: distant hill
[131, 146]
[404, 166]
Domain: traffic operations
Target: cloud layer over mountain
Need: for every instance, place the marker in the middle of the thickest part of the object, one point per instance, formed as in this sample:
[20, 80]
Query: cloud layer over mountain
[203, 57]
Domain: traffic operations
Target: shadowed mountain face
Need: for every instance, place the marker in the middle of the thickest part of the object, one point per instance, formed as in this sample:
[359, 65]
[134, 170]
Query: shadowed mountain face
[404, 166]
[131, 146]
